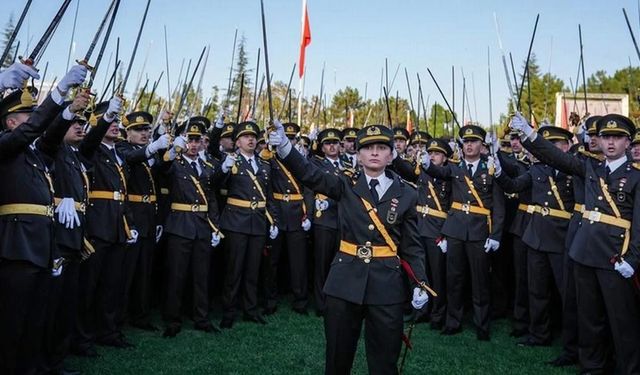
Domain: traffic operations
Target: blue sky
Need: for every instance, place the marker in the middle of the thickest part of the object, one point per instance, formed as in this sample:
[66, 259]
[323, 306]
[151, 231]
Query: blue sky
[354, 37]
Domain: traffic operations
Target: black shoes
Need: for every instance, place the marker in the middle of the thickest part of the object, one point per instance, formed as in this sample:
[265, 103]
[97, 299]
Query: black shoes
[255, 319]
[208, 328]
[226, 323]
[117, 342]
[451, 331]
[529, 341]
[517, 333]
[300, 311]
[146, 326]
[563, 360]
[269, 310]
[171, 331]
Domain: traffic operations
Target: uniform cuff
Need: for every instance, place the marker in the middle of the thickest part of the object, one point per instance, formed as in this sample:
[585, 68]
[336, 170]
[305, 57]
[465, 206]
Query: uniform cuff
[284, 151]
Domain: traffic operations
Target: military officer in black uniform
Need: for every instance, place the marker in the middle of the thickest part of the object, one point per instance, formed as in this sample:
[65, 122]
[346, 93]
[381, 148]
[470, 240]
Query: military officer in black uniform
[550, 211]
[378, 227]
[247, 217]
[27, 244]
[514, 163]
[142, 199]
[349, 157]
[605, 248]
[326, 235]
[110, 228]
[191, 227]
[473, 229]
[293, 223]
[400, 140]
[434, 200]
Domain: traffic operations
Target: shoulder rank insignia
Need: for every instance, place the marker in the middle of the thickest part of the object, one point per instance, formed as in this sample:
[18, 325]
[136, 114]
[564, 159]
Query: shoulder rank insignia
[636, 165]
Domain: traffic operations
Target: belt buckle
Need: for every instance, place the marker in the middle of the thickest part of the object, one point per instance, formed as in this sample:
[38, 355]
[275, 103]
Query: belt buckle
[117, 196]
[195, 208]
[465, 208]
[82, 207]
[286, 197]
[50, 211]
[531, 209]
[146, 199]
[254, 205]
[544, 211]
[365, 252]
[594, 216]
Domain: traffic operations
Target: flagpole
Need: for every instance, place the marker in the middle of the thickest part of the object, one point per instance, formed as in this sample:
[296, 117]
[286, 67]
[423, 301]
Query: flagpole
[302, 66]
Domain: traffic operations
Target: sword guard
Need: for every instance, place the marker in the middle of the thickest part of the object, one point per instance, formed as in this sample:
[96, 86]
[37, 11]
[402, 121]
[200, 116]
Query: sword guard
[85, 64]
[27, 62]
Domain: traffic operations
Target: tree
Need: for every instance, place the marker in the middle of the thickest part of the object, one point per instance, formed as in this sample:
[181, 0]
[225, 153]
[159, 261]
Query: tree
[541, 104]
[6, 35]
[622, 81]
[241, 68]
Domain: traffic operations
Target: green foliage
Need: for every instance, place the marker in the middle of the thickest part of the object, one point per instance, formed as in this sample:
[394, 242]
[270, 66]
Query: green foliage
[6, 35]
[543, 89]
[623, 81]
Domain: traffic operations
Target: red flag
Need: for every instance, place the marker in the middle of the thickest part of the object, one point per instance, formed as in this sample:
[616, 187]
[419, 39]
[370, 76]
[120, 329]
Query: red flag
[306, 37]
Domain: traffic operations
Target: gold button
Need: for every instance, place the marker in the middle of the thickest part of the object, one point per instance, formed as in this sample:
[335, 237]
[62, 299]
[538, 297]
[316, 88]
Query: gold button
[371, 227]
[368, 243]
[367, 260]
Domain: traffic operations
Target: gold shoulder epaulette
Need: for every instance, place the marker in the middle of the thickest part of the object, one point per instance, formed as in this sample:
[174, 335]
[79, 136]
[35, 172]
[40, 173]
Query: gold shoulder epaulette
[590, 154]
[636, 166]
[410, 184]
[208, 164]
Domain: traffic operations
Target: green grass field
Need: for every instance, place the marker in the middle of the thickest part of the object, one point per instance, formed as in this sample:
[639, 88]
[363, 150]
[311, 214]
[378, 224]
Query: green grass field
[293, 344]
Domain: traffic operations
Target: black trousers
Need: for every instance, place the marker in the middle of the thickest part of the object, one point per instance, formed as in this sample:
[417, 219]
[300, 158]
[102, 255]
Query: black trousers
[545, 275]
[607, 301]
[326, 242]
[569, 311]
[184, 254]
[437, 266]
[296, 245]
[62, 314]
[243, 267]
[23, 288]
[100, 286]
[458, 254]
[382, 335]
[521, 293]
[136, 291]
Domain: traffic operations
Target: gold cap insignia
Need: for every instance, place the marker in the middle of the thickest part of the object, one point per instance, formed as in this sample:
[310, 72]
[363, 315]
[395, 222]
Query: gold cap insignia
[248, 127]
[140, 119]
[545, 133]
[469, 131]
[434, 144]
[194, 129]
[612, 124]
[372, 130]
[331, 134]
[290, 129]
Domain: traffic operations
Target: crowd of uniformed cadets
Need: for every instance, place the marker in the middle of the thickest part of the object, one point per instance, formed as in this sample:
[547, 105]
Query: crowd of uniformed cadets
[106, 212]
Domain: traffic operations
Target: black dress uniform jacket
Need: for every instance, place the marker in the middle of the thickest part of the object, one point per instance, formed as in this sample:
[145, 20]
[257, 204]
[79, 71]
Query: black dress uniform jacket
[329, 217]
[290, 213]
[544, 232]
[514, 166]
[472, 227]
[381, 281]
[140, 183]
[26, 237]
[183, 190]
[240, 186]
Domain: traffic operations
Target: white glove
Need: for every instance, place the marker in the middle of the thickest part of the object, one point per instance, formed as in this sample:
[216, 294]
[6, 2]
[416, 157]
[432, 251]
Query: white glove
[161, 143]
[56, 270]
[278, 138]
[159, 231]
[220, 120]
[321, 204]
[420, 298]
[495, 162]
[306, 225]
[180, 142]
[273, 232]
[314, 134]
[114, 109]
[624, 269]
[215, 239]
[518, 122]
[134, 236]
[67, 214]
[14, 76]
[74, 77]
[442, 244]
[425, 160]
[228, 163]
[491, 245]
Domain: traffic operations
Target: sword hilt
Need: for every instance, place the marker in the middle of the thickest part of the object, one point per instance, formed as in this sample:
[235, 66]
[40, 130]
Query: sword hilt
[85, 63]
[27, 61]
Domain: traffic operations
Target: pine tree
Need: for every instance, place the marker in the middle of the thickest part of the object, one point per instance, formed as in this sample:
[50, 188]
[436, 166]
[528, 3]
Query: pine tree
[242, 63]
[6, 35]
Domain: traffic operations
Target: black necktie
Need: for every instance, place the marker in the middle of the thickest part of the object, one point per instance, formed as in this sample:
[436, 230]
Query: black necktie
[372, 187]
[336, 164]
[195, 167]
[607, 172]
[470, 166]
[115, 155]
